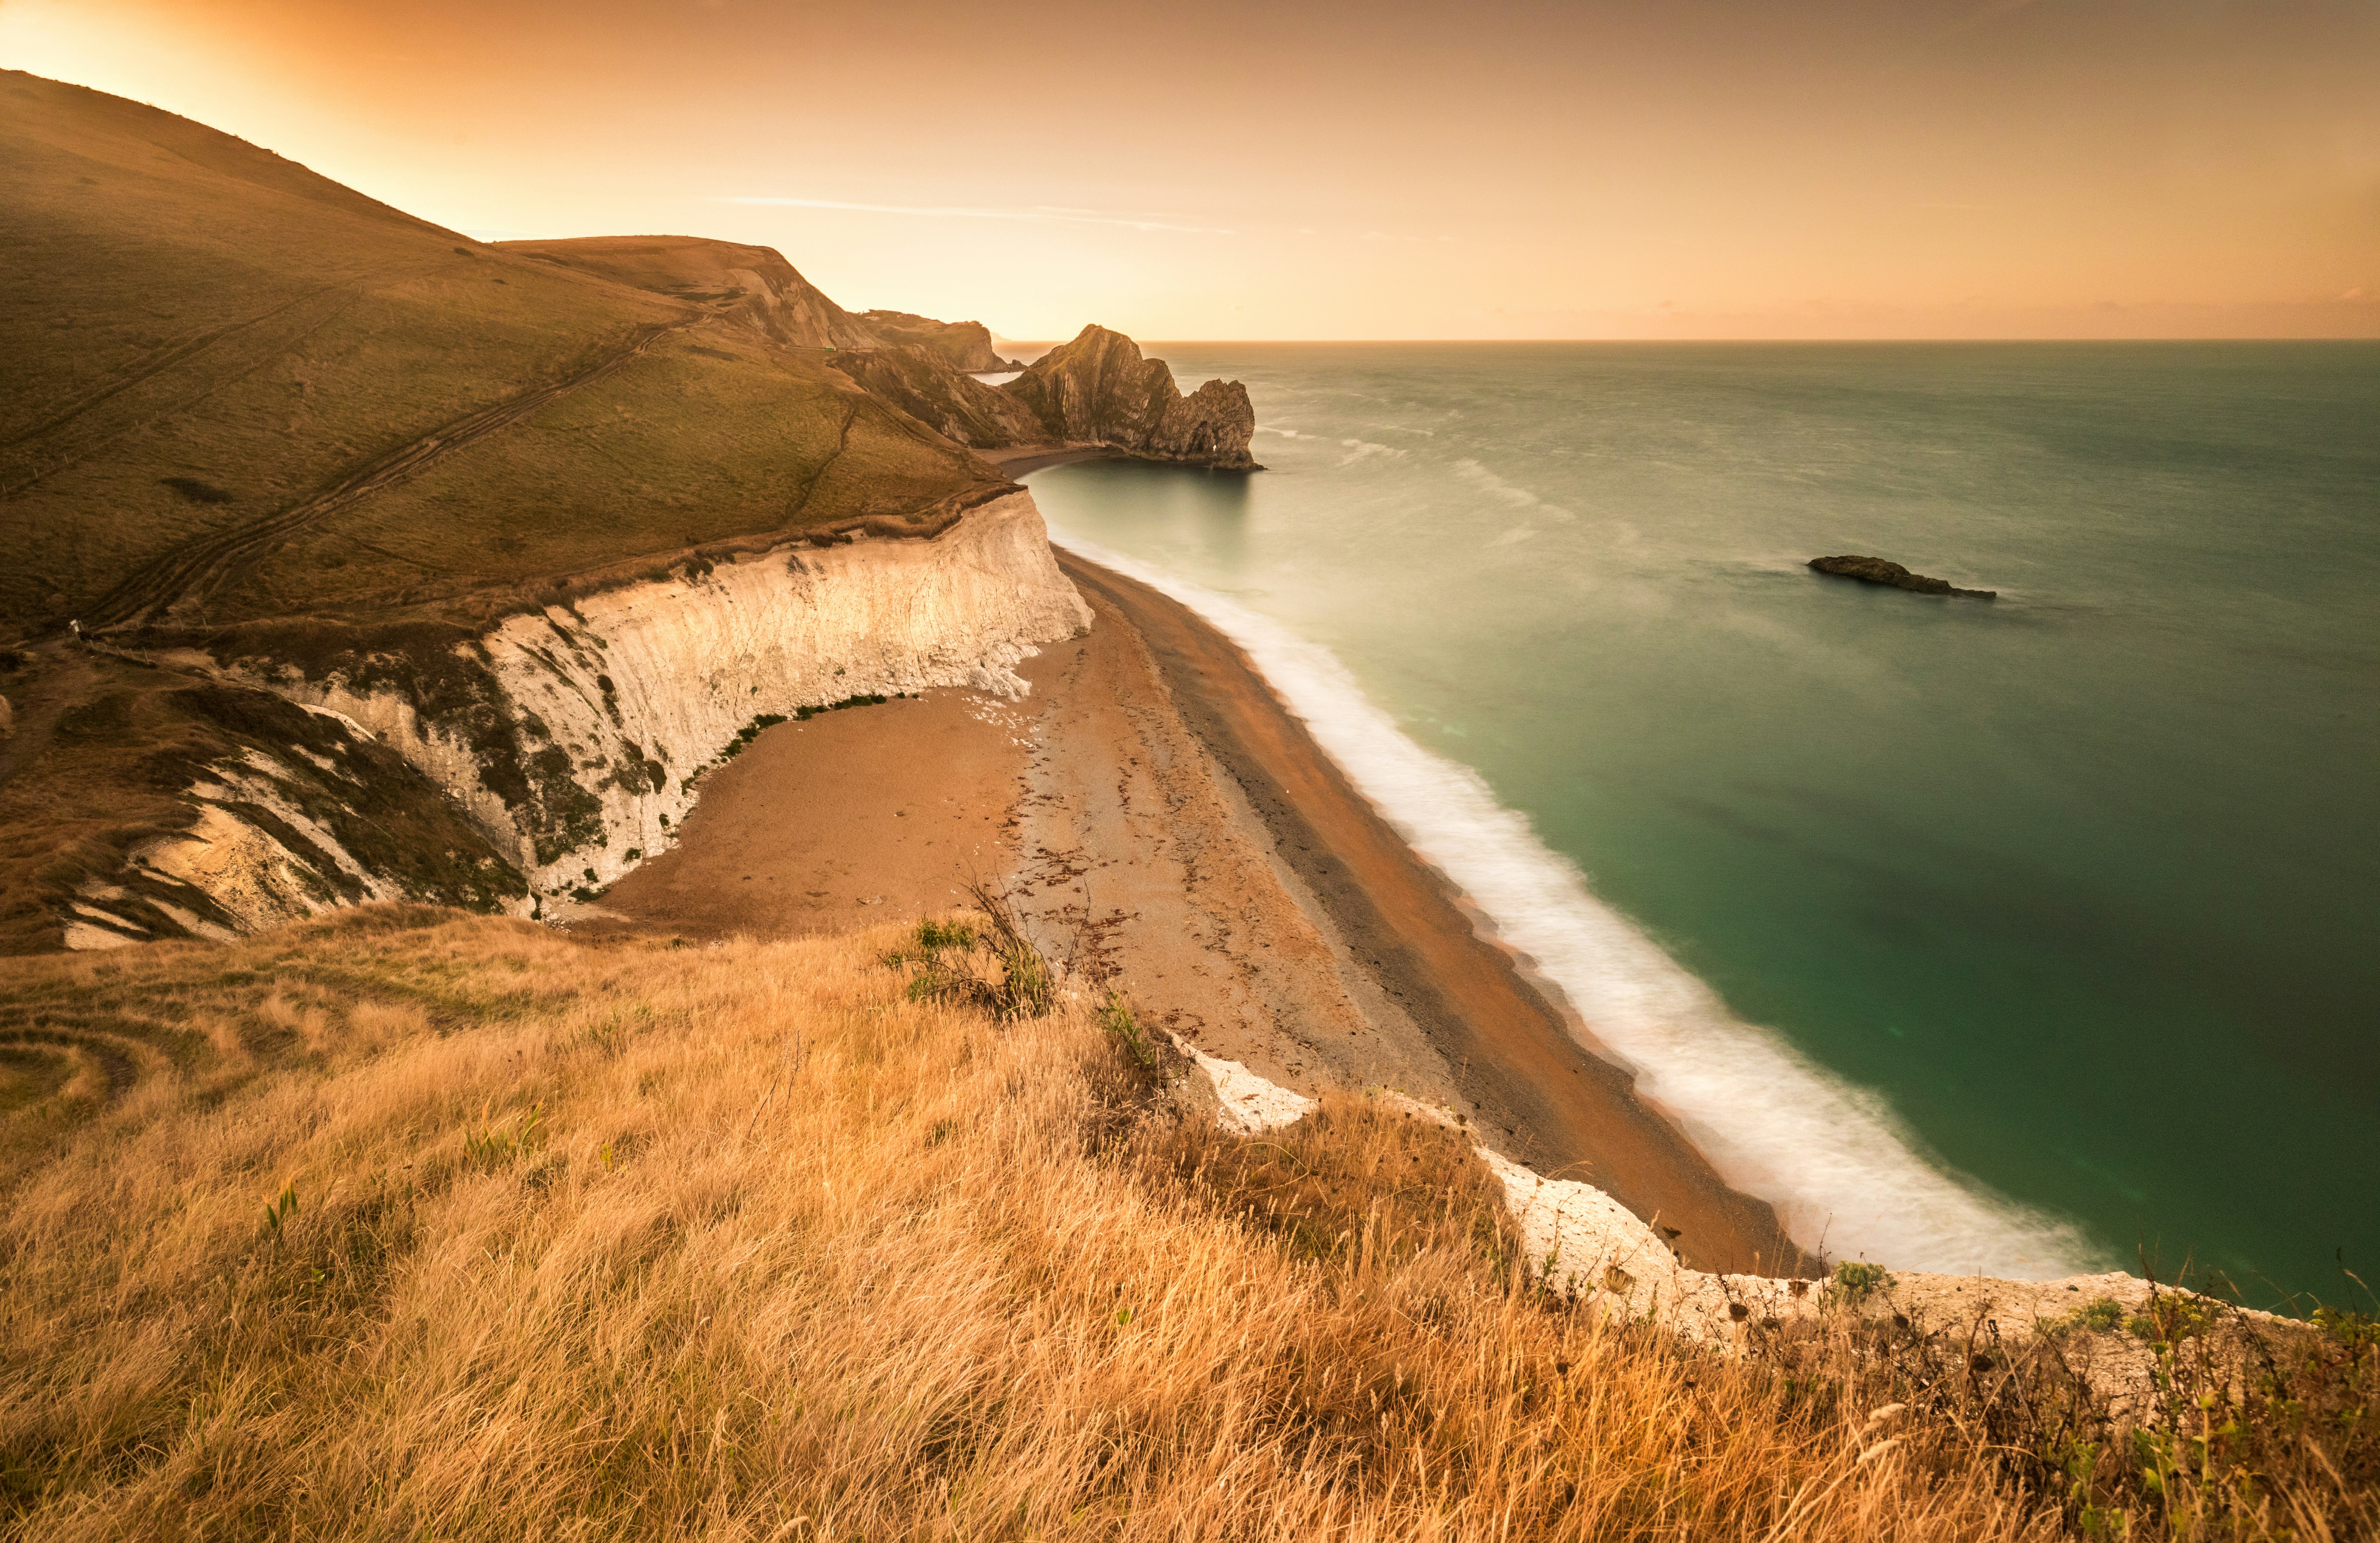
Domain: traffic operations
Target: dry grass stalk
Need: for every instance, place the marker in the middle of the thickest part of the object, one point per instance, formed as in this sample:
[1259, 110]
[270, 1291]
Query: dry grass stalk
[575, 1245]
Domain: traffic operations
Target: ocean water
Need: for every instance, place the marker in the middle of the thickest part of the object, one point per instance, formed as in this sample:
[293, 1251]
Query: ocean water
[2028, 935]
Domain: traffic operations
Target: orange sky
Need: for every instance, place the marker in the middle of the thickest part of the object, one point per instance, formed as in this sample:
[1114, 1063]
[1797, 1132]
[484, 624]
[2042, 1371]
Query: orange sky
[1342, 170]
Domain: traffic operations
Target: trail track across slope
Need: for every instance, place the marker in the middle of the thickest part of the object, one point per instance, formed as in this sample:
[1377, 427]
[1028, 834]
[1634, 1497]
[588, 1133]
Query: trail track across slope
[184, 577]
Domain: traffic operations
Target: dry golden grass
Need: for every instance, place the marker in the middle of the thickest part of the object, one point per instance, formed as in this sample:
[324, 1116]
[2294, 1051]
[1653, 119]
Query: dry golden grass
[743, 1242]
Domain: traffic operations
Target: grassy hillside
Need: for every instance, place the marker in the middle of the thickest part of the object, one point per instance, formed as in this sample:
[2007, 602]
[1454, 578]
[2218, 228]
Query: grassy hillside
[417, 1224]
[230, 376]
[249, 409]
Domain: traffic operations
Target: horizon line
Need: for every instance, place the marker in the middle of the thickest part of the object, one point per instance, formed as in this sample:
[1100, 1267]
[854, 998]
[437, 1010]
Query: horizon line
[1815, 337]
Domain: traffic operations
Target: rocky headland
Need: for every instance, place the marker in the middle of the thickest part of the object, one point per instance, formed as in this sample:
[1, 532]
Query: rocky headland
[942, 396]
[1095, 393]
[1098, 391]
[1875, 570]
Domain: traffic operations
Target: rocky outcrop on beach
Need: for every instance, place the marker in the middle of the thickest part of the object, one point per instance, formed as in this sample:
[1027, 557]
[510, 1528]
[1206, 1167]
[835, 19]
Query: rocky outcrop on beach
[961, 344]
[1098, 391]
[939, 394]
[1875, 570]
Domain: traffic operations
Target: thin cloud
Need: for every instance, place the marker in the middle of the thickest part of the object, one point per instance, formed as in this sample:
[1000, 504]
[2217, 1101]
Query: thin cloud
[1988, 13]
[1036, 215]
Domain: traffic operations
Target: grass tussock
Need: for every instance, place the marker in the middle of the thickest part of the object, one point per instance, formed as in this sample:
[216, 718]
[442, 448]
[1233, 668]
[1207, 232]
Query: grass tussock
[415, 1225]
[991, 966]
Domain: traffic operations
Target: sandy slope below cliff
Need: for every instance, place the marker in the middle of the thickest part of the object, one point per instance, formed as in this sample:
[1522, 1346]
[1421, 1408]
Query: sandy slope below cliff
[839, 823]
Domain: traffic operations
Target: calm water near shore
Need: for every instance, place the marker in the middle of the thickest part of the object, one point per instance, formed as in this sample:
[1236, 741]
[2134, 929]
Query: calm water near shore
[2021, 935]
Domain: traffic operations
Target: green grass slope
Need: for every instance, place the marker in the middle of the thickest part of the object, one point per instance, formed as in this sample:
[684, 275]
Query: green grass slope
[231, 379]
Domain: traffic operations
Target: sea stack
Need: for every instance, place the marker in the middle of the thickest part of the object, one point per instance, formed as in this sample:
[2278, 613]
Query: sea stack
[1875, 570]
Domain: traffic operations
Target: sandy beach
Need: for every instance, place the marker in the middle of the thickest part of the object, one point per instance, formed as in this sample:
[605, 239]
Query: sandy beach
[1169, 830]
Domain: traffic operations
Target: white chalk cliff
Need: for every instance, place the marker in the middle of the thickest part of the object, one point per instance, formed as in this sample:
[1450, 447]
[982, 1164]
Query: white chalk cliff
[612, 706]
[644, 686]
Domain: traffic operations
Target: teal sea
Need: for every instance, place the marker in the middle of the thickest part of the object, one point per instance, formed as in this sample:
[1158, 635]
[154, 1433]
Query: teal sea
[2031, 936]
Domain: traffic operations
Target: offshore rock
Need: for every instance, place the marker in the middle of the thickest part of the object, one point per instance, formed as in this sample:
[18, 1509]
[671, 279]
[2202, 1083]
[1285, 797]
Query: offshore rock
[1875, 570]
[937, 394]
[1098, 391]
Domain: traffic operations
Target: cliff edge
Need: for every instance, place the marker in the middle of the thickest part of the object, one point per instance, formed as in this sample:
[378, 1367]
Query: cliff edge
[964, 346]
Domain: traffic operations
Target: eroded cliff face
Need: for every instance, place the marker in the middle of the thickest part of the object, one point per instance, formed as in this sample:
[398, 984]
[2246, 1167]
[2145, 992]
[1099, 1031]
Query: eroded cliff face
[1098, 390]
[280, 812]
[616, 703]
[965, 345]
[953, 404]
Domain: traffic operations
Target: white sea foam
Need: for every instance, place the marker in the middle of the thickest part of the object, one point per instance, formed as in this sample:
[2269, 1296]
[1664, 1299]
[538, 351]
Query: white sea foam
[1359, 449]
[1835, 1161]
[1489, 483]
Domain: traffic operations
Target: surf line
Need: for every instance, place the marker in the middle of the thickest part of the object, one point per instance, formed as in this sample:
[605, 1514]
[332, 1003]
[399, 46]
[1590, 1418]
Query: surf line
[1832, 1158]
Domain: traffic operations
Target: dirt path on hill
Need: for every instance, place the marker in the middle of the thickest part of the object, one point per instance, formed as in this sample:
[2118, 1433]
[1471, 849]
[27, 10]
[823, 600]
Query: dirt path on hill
[186, 575]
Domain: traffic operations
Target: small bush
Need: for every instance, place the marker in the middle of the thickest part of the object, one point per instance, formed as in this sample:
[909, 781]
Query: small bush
[1856, 1280]
[1116, 1018]
[944, 934]
[2102, 1316]
[2171, 1319]
[998, 969]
